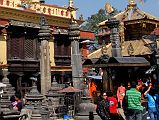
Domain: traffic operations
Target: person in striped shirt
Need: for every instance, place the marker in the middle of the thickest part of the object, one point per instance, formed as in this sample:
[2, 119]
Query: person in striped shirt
[134, 107]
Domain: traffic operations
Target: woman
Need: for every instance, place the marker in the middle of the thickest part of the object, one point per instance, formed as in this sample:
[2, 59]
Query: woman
[121, 94]
[151, 97]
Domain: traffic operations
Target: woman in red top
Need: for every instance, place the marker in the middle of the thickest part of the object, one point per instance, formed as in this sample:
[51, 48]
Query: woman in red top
[113, 104]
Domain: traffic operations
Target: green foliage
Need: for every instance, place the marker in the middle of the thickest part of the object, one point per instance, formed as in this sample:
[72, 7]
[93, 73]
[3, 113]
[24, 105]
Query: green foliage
[92, 22]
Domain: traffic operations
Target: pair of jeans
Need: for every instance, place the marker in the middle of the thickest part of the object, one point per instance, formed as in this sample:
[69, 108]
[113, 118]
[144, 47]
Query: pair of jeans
[134, 114]
[153, 113]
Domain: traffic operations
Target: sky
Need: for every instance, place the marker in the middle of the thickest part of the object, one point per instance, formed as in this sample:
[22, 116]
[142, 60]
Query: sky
[90, 7]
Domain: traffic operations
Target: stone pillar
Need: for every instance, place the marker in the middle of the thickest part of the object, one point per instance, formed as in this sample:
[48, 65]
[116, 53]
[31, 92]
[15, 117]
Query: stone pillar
[105, 80]
[45, 68]
[122, 34]
[19, 84]
[113, 24]
[76, 58]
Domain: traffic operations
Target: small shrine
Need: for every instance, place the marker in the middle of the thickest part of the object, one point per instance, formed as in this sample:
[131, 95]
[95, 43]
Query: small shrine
[6, 111]
[33, 106]
[87, 110]
[55, 101]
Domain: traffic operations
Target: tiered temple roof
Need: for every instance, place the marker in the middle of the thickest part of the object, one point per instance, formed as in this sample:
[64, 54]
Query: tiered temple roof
[132, 12]
[136, 47]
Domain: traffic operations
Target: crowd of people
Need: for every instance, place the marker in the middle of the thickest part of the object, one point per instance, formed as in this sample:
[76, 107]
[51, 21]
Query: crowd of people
[107, 106]
[129, 99]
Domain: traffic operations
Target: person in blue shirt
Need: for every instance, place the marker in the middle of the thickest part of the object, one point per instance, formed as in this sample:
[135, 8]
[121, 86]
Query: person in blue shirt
[152, 107]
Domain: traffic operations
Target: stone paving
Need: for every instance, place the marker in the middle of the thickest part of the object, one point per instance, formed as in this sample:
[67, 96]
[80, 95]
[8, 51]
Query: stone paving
[145, 114]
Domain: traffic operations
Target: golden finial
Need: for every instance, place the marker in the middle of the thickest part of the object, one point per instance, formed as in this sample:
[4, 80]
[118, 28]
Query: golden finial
[70, 3]
[81, 17]
[132, 2]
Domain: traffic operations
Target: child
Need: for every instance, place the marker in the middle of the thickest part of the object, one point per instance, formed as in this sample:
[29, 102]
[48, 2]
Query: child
[13, 102]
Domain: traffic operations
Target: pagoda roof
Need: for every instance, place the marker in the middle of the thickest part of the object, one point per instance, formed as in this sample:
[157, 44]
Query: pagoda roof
[139, 47]
[131, 13]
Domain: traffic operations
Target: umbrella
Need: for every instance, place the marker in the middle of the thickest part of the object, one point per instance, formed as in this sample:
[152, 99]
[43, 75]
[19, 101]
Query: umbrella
[2, 85]
[70, 89]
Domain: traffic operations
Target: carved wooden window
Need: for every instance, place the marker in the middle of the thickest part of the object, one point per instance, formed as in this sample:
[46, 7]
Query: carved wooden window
[29, 49]
[62, 51]
[58, 50]
[67, 48]
[22, 46]
[15, 45]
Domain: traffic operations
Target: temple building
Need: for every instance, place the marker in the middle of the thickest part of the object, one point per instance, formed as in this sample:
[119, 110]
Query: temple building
[134, 25]
[135, 31]
[20, 48]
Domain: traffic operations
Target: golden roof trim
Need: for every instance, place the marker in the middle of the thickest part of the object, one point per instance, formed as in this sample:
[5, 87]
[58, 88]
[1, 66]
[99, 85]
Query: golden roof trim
[139, 46]
[32, 17]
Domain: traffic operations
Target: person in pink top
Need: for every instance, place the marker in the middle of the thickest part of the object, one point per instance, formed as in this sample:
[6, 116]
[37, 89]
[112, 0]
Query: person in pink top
[121, 94]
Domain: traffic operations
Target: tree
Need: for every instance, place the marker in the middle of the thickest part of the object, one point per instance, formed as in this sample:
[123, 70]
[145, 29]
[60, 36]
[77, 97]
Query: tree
[92, 22]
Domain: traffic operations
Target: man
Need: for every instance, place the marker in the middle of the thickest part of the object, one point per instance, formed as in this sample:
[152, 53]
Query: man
[103, 108]
[134, 108]
[151, 96]
[113, 104]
